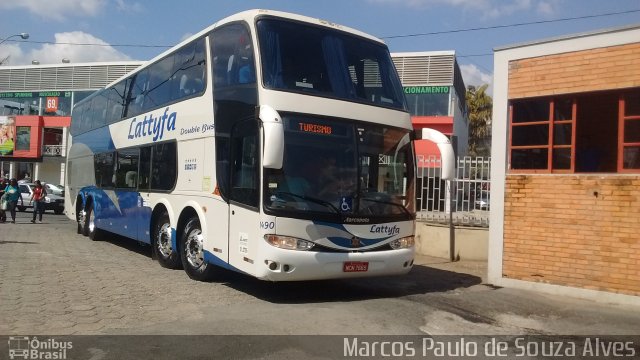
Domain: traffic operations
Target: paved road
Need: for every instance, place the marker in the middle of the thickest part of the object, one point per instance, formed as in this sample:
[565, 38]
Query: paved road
[55, 282]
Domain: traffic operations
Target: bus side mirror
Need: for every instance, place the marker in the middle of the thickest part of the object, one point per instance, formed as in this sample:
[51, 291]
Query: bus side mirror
[447, 156]
[273, 138]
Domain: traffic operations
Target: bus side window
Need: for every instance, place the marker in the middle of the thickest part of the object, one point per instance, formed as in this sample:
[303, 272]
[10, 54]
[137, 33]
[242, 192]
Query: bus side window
[189, 70]
[164, 166]
[144, 170]
[127, 169]
[232, 52]
[244, 165]
[136, 95]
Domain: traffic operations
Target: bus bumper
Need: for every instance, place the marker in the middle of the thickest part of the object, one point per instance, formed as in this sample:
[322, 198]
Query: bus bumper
[292, 265]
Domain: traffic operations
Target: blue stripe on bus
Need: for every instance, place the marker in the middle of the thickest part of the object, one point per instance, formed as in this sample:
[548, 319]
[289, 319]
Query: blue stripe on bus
[174, 241]
[118, 212]
[98, 140]
[214, 260]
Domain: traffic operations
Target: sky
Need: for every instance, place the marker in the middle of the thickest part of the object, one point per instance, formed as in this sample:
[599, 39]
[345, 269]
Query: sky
[142, 29]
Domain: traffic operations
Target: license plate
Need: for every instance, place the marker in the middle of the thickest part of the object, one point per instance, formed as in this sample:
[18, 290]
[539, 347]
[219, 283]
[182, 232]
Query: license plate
[355, 266]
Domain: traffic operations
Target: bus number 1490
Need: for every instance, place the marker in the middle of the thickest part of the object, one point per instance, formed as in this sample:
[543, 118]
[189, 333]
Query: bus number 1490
[267, 225]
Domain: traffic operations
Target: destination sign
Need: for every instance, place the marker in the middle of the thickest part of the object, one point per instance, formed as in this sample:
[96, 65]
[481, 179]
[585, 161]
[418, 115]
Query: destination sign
[315, 128]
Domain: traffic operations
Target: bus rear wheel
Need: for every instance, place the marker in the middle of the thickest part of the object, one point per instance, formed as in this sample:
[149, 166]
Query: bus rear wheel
[90, 228]
[192, 252]
[80, 215]
[163, 244]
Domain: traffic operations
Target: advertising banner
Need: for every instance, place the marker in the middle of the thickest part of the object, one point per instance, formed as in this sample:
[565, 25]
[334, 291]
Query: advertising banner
[7, 135]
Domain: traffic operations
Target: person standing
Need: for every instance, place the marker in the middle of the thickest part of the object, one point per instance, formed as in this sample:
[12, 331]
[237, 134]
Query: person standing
[12, 193]
[37, 198]
[3, 201]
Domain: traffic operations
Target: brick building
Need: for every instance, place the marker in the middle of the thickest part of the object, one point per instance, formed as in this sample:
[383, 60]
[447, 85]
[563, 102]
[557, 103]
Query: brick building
[566, 166]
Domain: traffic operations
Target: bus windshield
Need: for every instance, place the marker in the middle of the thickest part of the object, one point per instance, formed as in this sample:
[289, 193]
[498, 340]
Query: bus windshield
[342, 169]
[308, 59]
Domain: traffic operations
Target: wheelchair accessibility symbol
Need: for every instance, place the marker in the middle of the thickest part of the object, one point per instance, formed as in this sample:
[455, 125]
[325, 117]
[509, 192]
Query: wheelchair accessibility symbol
[346, 204]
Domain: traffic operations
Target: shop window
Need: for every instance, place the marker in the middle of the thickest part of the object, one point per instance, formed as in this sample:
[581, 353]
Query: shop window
[630, 107]
[23, 138]
[598, 132]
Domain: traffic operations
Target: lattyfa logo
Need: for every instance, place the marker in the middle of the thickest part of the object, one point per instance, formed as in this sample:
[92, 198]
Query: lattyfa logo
[23, 347]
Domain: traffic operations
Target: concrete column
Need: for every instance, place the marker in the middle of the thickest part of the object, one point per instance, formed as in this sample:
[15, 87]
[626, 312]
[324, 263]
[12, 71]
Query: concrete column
[12, 169]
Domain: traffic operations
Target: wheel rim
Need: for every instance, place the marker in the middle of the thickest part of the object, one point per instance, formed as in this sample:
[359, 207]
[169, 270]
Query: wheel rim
[193, 248]
[164, 243]
[92, 221]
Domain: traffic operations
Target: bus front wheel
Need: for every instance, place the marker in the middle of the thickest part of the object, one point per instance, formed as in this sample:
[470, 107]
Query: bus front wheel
[192, 252]
[163, 244]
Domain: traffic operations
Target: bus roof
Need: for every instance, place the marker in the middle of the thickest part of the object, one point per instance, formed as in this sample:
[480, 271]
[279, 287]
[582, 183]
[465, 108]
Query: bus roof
[249, 16]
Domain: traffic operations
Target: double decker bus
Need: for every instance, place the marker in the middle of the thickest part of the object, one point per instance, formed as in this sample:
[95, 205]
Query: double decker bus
[271, 144]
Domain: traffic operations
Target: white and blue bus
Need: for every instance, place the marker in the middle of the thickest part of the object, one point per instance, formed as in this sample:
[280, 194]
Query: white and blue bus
[271, 144]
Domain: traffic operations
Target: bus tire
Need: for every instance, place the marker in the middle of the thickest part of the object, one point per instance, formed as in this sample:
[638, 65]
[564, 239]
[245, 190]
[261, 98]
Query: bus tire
[90, 228]
[162, 243]
[192, 252]
[80, 224]
[80, 214]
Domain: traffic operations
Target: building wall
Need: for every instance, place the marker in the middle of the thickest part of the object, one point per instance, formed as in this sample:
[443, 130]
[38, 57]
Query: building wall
[550, 232]
[577, 230]
[606, 68]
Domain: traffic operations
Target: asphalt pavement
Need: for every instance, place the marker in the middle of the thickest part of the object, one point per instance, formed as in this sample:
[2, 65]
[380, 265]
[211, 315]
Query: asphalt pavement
[56, 282]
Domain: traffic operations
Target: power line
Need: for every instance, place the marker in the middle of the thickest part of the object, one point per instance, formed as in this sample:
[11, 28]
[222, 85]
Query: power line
[512, 25]
[95, 44]
[473, 55]
[385, 37]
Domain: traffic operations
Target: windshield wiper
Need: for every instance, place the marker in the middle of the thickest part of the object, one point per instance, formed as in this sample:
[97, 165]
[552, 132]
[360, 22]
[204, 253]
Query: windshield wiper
[388, 203]
[311, 199]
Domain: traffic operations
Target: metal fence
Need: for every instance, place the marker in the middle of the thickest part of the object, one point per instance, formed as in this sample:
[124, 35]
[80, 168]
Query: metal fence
[53, 150]
[464, 200]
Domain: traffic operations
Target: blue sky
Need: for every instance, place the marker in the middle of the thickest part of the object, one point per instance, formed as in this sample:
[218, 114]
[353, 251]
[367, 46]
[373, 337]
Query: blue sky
[161, 22]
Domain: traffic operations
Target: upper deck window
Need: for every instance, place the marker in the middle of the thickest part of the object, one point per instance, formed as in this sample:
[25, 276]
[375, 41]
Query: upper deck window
[315, 60]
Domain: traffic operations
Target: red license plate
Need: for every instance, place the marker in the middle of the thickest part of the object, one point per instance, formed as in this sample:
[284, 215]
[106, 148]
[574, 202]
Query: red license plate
[355, 266]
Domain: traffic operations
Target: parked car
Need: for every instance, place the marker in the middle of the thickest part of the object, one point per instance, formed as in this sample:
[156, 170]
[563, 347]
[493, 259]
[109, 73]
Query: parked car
[54, 189]
[51, 201]
[482, 202]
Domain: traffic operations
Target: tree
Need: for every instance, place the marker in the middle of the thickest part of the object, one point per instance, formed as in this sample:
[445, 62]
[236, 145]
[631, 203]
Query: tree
[480, 108]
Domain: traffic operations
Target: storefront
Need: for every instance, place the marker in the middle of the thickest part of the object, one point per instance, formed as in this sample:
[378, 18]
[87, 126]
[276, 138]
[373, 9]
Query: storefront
[35, 113]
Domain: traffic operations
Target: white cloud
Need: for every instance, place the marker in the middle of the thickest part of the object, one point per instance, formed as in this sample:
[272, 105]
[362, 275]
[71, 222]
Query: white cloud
[484, 8]
[56, 10]
[54, 53]
[472, 75]
[9, 53]
[129, 7]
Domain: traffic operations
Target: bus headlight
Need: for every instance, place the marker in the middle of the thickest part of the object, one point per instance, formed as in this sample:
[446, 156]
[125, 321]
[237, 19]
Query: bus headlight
[288, 242]
[403, 243]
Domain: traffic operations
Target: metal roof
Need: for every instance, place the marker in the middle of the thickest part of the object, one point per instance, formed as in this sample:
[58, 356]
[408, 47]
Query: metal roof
[86, 76]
